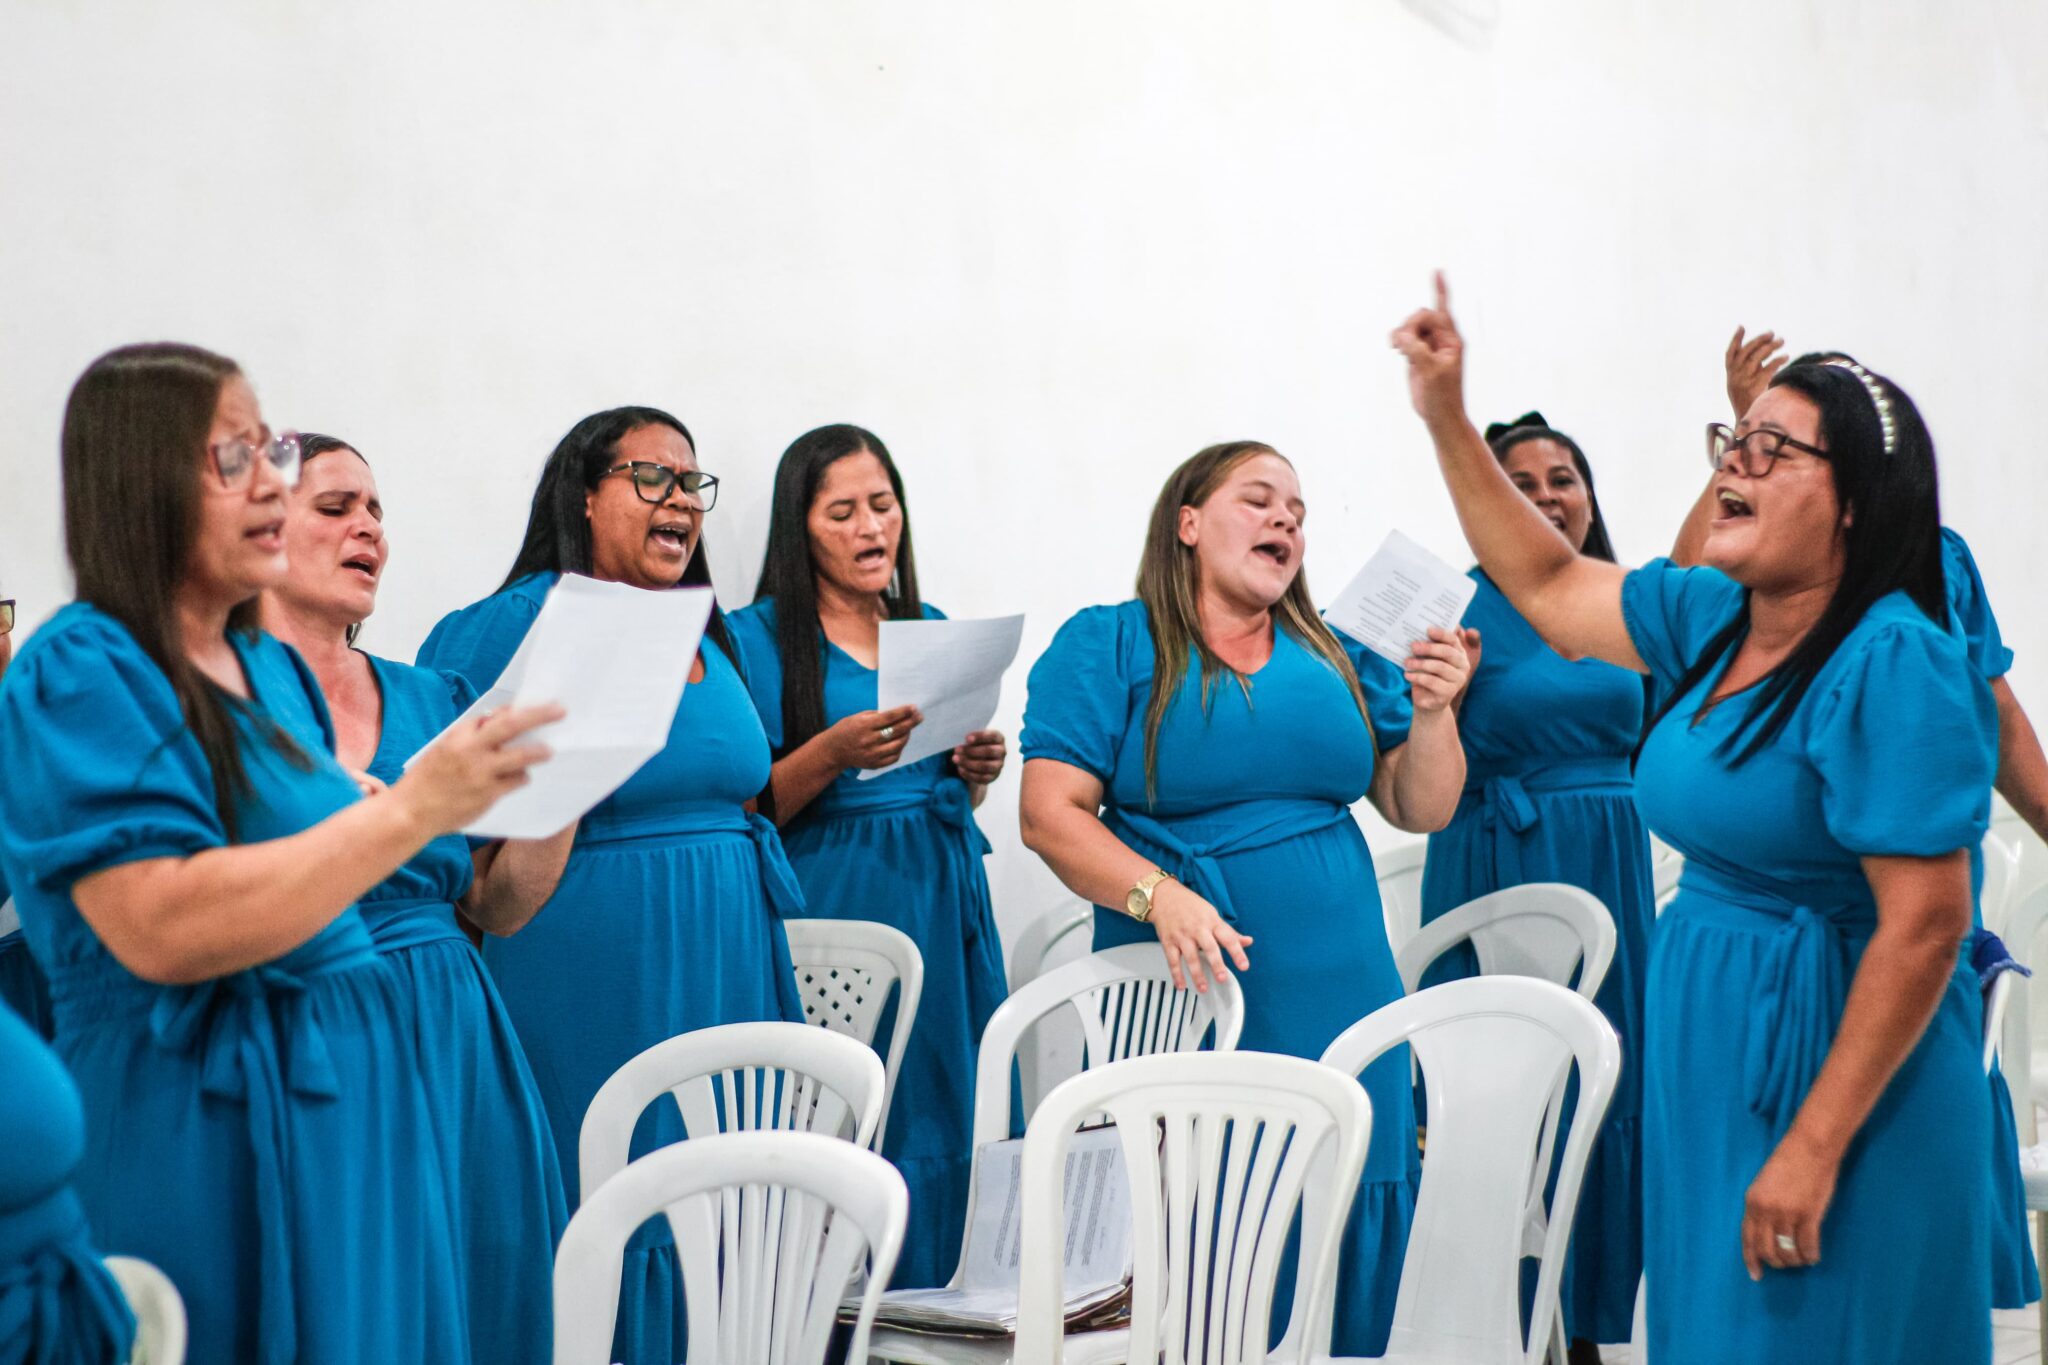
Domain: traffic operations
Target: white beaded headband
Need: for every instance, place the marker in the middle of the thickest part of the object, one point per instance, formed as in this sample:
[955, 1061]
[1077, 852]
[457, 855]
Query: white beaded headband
[1878, 399]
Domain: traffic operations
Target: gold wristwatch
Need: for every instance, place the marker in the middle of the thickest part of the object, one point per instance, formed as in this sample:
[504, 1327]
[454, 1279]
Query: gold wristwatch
[1138, 901]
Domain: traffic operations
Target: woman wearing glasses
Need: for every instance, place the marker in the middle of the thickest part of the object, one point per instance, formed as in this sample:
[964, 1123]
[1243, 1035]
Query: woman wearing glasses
[667, 918]
[499, 1153]
[1814, 1098]
[902, 849]
[187, 858]
[22, 985]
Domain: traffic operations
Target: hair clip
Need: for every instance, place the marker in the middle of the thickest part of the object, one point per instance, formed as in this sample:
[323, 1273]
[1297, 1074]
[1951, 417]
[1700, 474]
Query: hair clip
[1878, 399]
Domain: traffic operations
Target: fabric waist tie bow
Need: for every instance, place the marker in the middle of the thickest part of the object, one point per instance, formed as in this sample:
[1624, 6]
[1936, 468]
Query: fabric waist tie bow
[1186, 848]
[778, 880]
[1508, 809]
[56, 1299]
[399, 924]
[946, 799]
[258, 1037]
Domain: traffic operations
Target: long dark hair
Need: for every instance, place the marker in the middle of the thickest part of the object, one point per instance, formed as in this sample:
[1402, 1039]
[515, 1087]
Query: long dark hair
[1503, 437]
[312, 445]
[558, 528]
[134, 451]
[789, 576]
[1891, 544]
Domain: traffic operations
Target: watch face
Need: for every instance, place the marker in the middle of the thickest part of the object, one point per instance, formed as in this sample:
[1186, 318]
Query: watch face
[1138, 904]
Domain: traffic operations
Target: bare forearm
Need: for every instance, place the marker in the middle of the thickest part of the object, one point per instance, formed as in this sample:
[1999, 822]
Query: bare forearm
[1692, 532]
[1521, 551]
[1089, 860]
[1424, 776]
[2022, 768]
[514, 880]
[181, 920]
[801, 776]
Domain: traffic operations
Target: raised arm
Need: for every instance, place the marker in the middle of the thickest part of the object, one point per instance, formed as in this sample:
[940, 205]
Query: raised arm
[179, 920]
[1748, 367]
[1573, 602]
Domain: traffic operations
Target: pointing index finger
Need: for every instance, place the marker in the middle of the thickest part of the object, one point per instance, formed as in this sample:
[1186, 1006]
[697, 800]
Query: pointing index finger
[1443, 294]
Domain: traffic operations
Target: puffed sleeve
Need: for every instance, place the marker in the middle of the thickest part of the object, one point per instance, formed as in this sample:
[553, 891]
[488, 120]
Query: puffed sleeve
[1077, 702]
[1672, 614]
[1905, 740]
[1388, 699]
[480, 639]
[754, 634]
[1971, 606]
[101, 768]
[462, 693]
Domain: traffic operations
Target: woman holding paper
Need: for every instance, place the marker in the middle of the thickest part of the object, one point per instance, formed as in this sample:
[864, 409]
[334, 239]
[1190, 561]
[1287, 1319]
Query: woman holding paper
[497, 1149]
[1549, 798]
[187, 856]
[902, 849]
[668, 915]
[1191, 759]
[1813, 1092]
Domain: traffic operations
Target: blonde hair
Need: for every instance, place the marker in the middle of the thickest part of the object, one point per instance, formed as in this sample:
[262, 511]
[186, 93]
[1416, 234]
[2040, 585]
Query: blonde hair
[1169, 585]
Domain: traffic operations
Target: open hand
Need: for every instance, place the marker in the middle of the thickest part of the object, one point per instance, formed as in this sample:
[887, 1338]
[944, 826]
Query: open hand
[1751, 366]
[1194, 935]
[1437, 669]
[1436, 358]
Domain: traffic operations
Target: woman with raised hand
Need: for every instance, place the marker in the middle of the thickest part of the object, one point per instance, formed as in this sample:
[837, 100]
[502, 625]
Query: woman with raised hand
[902, 849]
[495, 1143]
[1549, 798]
[1813, 1092]
[186, 857]
[668, 915]
[1190, 763]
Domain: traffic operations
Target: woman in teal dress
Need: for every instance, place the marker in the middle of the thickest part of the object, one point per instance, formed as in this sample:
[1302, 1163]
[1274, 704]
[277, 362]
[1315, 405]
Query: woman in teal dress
[902, 849]
[1814, 1106]
[1190, 761]
[58, 1304]
[187, 861]
[498, 1153]
[1549, 798]
[668, 915]
[21, 981]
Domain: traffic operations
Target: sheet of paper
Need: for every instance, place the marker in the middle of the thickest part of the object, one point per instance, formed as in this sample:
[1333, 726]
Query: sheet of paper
[616, 658]
[950, 670]
[1401, 592]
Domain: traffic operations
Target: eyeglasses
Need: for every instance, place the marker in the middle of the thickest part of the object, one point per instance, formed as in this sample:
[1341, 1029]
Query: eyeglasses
[235, 461]
[1754, 454]
[655, 482]
[6, 616]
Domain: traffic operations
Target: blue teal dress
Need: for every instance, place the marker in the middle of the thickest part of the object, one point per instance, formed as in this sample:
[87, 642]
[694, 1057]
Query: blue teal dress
[263, 1137]
[902, 849]
[667, 919]
[1750, 966]
[1253, 812]
[22, 986]
[2015, 1280]
[1549, 798]
[499, 1150]
[58, 1305]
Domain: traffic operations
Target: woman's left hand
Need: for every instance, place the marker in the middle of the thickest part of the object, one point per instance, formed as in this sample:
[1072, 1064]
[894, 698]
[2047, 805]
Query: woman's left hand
[1437, 669]
[979, 759]
[1788, 1199]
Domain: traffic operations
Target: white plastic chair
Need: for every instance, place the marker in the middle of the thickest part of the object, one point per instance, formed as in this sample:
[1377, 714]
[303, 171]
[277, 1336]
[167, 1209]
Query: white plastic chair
[769, 1230]
[1399, 873]
[1054, 1047]
[2026, 915]
[1639, 1326]
[844, 972]
[1047, 936]
[1126, 1005]
[736, 1077]
[159, 1310]
[1543, 929]
[1495, 1050]
[1667, 864]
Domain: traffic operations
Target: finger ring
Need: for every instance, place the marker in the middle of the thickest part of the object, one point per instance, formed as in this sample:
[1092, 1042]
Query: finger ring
[1786, 1243]
[888, 732]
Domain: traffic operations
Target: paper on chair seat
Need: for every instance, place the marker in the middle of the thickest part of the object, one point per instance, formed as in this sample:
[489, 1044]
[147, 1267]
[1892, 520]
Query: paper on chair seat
[1401, 592]
[616, 658]
[1098, 1242]
[950, 670]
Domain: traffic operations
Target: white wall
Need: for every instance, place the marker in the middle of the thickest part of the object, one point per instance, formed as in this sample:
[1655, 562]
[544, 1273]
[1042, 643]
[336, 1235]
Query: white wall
[1046, 249]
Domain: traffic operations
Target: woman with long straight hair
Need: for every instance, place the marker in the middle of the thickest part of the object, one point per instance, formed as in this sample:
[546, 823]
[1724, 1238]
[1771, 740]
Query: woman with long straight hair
[1814, 1096]
[187, 856]
[902, 849]
[1190, 763]
[1549, 798]
[668, 915]
[495, 1143]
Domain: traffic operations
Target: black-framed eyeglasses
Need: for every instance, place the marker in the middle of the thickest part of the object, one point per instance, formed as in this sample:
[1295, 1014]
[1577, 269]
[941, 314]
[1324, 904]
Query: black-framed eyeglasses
[6, 616]
[655, 482]
[1752, 455]
[235, 461]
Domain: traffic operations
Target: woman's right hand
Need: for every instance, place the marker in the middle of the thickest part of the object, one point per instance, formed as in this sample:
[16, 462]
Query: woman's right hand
[465, 772]
[858, 741]
[1436, 359]
[1194, 936]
